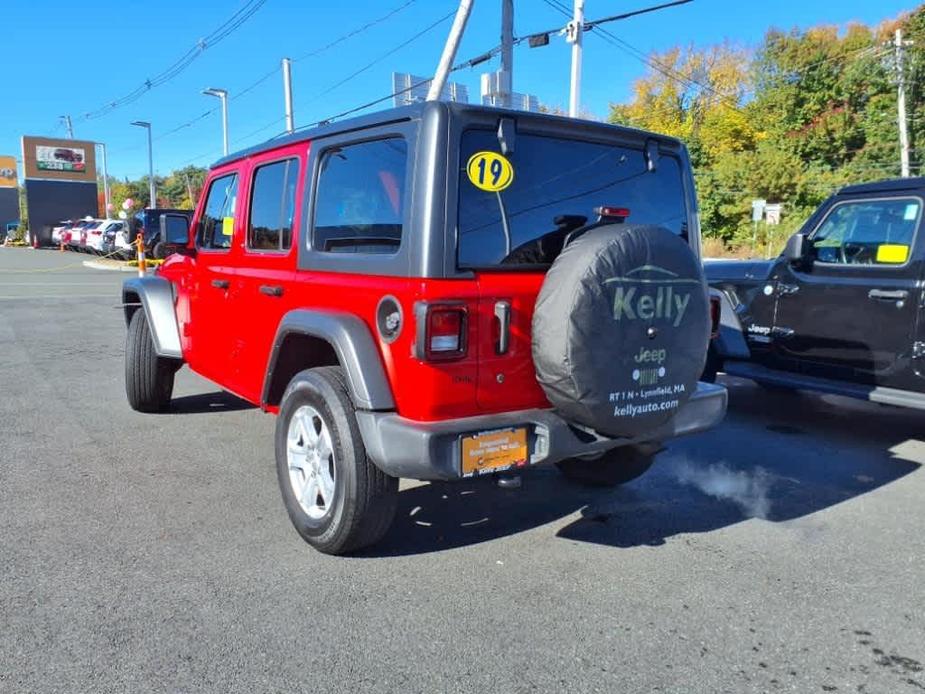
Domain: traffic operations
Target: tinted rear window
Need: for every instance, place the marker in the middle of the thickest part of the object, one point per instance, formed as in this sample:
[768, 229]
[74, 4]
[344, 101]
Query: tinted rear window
[557, 185]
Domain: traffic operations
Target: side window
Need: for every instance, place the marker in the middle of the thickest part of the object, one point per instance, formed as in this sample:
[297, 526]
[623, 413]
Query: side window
[273, 206]
[359, 201]
[868, 232]
[216, 228]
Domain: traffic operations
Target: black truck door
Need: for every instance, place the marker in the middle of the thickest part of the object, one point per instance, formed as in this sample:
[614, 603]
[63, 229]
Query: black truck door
[851, 314]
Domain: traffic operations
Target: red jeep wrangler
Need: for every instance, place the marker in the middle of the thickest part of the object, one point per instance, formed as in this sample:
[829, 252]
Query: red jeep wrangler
[437, 292]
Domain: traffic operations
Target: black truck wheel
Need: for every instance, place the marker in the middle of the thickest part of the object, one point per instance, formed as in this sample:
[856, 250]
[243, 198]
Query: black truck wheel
[337, 499]
[616, 466]
[148, 377]
[621, 329]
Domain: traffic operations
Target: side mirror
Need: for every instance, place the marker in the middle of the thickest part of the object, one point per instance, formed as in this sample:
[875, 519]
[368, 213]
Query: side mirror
[796, 252]
[175, 229]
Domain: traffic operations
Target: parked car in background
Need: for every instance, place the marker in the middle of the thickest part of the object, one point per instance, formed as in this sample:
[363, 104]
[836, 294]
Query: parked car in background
[116, 238]
[77, 234]
[95, 233]
[102, 238]
[59, 232]
[839, 310]
[148, 223]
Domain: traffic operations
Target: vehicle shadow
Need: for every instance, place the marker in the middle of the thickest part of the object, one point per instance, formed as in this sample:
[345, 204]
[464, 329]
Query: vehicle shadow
[201, 403]
[777, 457]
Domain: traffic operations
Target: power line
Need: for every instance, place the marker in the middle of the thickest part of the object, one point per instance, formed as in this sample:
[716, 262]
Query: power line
[366, 67]
[216, 36]
[385, 55]
[237, 94]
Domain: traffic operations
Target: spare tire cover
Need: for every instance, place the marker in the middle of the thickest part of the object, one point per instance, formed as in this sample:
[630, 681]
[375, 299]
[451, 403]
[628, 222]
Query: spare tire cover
[621, 329]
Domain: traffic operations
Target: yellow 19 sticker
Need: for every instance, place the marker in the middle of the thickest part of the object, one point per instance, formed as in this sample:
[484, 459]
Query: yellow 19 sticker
[490, 171]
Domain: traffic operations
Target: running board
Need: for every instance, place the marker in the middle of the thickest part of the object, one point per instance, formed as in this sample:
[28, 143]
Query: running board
[886, 396]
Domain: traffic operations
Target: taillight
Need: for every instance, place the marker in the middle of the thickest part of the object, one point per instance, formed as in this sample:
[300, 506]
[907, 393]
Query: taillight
[715, 312]
[441, 331]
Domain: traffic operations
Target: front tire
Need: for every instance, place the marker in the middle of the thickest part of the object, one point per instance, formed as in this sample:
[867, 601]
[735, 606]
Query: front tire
[148, 377]
[615, 467]
[336, 497]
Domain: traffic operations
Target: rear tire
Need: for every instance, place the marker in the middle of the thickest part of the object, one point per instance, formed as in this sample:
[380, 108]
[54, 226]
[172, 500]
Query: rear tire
[615, 467]
[148, 377]
[336, 497]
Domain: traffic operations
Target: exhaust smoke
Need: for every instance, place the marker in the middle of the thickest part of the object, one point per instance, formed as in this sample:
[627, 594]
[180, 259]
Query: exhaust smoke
[749, 491]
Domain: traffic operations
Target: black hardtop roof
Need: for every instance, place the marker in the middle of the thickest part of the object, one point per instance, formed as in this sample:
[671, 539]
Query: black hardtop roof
[417, 111]
[889, 185]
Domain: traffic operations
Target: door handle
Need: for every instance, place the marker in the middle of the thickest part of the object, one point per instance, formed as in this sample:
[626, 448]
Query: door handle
[221, 284]
[271, 289]
[503, 316]
[888, 295]
[787, 289]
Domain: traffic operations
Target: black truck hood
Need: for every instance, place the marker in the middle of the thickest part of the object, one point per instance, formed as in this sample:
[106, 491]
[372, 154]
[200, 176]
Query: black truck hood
[736, 270]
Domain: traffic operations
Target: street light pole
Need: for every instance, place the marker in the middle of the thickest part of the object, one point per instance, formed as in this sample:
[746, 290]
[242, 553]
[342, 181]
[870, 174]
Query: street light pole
[575, 31]
[152, 188]
[105, 179]
[223, 95]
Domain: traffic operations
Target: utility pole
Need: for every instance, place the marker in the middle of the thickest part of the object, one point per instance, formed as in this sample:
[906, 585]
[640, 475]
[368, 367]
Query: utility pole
[189, 190]
[900, 46]
[287, 94]
[449, 50]
[68, 127]
[506, 76]
[574, 32]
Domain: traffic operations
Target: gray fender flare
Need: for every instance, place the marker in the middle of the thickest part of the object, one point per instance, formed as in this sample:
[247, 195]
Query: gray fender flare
[156, 297]
[352, 342]
[730, 342]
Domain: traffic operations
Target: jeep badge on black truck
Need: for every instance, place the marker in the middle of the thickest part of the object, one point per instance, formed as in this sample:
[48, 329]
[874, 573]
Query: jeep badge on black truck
[438, 292]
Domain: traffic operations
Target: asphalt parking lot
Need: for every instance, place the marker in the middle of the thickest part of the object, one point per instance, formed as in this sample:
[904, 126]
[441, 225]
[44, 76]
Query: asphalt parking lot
[782, 552]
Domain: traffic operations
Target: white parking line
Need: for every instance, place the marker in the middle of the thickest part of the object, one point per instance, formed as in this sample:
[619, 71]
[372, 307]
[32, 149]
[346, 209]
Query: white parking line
[33, 297]
[58, 284]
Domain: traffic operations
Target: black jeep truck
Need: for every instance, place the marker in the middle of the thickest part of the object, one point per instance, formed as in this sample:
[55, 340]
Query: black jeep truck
[840, 310]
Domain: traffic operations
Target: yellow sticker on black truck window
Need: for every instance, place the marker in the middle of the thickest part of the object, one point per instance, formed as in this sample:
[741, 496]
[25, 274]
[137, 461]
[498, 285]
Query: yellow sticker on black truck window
[490, 171]
[892, 253]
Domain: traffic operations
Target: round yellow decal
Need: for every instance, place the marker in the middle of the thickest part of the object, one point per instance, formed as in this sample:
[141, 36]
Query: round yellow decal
[490, 171]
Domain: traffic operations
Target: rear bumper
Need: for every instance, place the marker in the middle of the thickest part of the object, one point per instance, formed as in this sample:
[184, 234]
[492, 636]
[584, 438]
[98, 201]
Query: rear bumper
[431, 450]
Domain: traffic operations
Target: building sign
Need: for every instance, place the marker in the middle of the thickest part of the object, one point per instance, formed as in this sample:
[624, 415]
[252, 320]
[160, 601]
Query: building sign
[58, 160]
[7, 172]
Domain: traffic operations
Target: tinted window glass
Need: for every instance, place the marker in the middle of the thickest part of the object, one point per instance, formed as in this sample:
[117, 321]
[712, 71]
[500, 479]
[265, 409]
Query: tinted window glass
[360, 198]
[273, 206]
[217, 223]
[557, 184]
[868, 232]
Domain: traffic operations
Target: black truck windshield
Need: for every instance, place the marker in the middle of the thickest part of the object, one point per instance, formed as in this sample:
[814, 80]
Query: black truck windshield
[557, 185]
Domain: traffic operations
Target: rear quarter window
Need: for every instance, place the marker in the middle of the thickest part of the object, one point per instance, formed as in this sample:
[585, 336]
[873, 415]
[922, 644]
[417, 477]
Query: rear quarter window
[360, 197]
[557, 185]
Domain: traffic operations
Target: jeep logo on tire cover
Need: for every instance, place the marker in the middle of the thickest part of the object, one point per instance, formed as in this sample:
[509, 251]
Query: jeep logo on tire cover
[651, 293]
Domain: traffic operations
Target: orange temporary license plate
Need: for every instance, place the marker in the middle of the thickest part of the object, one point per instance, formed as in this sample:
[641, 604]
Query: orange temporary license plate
[492, 451]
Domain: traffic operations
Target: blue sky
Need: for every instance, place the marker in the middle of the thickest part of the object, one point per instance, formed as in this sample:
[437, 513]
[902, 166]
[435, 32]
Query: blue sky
[72, 57]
